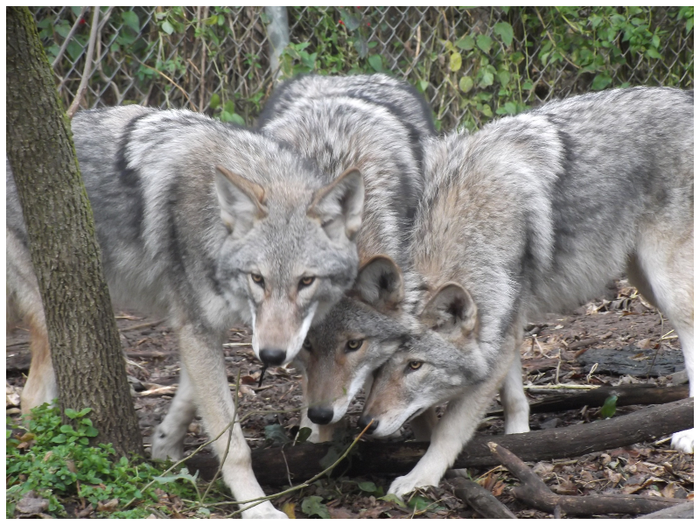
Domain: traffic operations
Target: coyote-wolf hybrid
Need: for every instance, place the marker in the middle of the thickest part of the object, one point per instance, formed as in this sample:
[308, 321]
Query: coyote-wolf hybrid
[536, 213]
[190, 213]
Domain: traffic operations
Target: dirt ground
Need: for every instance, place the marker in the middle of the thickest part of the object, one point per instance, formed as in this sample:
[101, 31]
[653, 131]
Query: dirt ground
[622, 322]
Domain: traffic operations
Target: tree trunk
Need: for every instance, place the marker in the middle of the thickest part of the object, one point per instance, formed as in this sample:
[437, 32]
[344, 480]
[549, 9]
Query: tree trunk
[83, 336]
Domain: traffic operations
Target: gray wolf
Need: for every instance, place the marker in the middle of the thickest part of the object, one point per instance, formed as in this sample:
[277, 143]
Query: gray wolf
[372, 123]
[376, 124]
[535, 213]
[189, 213]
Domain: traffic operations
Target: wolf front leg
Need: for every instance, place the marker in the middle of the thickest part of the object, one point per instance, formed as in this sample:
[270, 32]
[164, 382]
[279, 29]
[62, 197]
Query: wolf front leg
[203, 362]
[452, 432]
[168, 438]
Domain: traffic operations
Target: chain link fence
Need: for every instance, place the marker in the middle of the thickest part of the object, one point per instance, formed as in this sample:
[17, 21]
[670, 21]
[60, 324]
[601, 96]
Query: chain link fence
[471, 63]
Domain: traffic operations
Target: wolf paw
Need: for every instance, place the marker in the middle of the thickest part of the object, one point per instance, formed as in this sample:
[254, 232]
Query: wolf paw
[264, 511]
[410, 482]
[684, 441]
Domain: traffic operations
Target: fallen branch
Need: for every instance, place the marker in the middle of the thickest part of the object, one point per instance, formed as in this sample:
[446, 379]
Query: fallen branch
[684, 511]
[535, 493]
[303, 460]
[626, 395]
[481, 500]
[150, 324]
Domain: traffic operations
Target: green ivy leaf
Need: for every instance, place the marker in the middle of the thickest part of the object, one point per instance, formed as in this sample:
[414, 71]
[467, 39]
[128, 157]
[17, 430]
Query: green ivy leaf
[351, 21]
[466, 43]
[653, 53]
[503, 77]
[393, 498]
[303, 434]
[419, 503]
[367, 486]
[484, 42]
[465, 84]
[609, 407]
[131, 20]
[275, 433]
[214, 101]
[486, 78]
[455, 62]
[167, 27]
[313, 506]
[601, 81]
[376, 62]
[505, 31]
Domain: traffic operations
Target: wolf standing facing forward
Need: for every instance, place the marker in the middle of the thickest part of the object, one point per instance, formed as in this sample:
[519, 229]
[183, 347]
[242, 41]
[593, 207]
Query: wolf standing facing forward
[536, 213]
[187, 212]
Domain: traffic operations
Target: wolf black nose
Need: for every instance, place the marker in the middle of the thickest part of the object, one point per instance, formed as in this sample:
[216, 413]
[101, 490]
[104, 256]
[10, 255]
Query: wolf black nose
[321, 415]
[272, 357]
[364, 421]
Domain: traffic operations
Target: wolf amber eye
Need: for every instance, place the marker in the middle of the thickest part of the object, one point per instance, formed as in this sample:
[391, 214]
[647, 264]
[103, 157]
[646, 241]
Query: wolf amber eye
[257, 279]
[306, 281]
[353, 345]
[415, 365]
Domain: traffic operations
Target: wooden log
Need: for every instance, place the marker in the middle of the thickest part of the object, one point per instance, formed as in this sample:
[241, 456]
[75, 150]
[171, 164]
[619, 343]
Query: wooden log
[303, 461]
[626, 395]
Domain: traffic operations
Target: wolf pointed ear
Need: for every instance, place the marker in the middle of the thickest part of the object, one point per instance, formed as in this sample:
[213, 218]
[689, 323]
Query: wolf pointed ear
[339, 205]
[380, 283]
[451, 312]
[242, 202]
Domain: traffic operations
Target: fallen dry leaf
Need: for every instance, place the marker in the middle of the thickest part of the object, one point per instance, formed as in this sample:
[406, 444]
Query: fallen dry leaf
[32, 504]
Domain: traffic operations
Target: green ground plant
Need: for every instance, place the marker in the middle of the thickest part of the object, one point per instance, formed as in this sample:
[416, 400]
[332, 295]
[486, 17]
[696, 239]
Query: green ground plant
[57, 463]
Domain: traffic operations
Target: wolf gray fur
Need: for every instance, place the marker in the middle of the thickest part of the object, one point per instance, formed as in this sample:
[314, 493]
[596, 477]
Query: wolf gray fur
[376, 124]
[188, 211]
[536, 213]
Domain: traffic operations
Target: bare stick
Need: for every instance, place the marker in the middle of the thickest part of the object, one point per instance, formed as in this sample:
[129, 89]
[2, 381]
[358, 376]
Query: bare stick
[480, 499]
[87, 70]
[142, 325]
[68, 38]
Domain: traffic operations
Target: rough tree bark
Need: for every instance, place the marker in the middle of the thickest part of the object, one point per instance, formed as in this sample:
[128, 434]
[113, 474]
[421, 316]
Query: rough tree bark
[83, 336]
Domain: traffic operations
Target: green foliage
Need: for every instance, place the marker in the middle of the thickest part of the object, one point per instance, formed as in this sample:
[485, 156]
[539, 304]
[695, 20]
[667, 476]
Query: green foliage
[472, 64]
[313, 506]
[56, 462]
[609, 407]
[591, 48]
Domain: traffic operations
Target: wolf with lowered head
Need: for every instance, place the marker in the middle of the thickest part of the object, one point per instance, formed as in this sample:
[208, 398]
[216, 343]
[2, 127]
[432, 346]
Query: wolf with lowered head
[536, 213]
